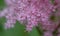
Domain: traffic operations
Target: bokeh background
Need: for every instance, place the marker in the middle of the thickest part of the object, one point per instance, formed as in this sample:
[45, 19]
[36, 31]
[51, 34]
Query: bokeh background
[18, 30]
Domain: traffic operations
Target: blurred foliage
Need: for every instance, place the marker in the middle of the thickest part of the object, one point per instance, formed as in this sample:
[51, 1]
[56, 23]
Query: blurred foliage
[2, 4]
[53, 18]
[52, 1]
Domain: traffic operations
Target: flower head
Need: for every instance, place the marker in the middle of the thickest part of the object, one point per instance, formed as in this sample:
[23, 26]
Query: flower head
[30, 12]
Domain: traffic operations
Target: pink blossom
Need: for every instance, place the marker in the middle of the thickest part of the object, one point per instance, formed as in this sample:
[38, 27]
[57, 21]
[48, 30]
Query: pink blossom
[47, 33]
[31, 11]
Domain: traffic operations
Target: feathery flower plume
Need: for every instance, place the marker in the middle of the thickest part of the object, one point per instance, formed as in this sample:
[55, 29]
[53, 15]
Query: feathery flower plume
[30, 12]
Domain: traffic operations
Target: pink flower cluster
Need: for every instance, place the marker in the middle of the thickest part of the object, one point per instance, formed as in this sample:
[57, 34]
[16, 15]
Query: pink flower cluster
[29, 13]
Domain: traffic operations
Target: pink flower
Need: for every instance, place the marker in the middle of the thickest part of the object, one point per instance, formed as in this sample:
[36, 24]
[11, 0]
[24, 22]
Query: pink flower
[30, 12]
[47, 33]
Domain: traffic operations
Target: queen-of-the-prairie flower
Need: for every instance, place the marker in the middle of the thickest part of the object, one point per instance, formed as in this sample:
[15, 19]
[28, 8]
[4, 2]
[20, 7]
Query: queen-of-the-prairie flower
[29, 12]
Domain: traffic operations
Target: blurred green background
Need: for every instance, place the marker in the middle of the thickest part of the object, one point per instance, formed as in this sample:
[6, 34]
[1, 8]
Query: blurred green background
[18, 30]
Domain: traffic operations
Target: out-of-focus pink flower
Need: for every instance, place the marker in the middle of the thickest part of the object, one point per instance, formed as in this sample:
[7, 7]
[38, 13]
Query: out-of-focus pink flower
[30, 11]
[47, 33]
